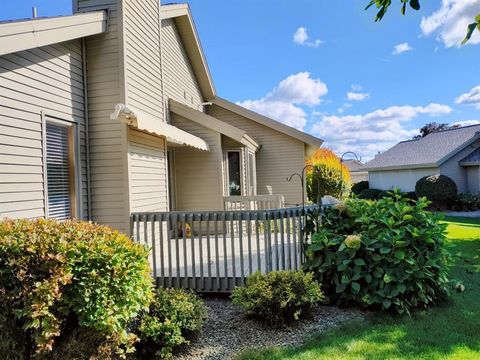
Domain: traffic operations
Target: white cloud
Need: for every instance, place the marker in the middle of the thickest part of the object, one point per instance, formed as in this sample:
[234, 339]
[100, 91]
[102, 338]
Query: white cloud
[375, 131]
[301, 38]
[450, 22]
[356, 87]
[357, 96]
[284, 102]
[467, 122]
[401, 48]
[470, 98]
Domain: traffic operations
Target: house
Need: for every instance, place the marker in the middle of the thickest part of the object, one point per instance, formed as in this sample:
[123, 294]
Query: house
[357, 172]
[113, 111]
[452, 152]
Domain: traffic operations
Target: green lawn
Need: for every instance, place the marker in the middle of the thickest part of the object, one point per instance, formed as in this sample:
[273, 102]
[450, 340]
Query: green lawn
[448, 331]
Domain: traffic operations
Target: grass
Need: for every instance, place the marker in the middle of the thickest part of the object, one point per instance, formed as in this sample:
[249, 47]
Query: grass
[449, 331]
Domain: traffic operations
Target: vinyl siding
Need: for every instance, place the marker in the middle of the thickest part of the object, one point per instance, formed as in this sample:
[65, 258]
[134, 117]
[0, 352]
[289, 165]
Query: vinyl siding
[108, 139]
[179, 79]
[48, 79]
[142, 56]
[147, 173]
[279, 157]
[405, 180]
[198, 179]
[473, 179]
[457, 173]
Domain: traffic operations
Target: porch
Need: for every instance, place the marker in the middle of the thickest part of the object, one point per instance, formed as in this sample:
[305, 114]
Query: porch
[214, 251]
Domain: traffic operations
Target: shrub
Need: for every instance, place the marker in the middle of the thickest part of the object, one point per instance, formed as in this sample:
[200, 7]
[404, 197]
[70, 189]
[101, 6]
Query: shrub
[439, 189]
[358, 187]
[385, 254]
[328, 176]
[466, 202]
[51, 271]
[174, 315]
[370, 194]
[278, 297]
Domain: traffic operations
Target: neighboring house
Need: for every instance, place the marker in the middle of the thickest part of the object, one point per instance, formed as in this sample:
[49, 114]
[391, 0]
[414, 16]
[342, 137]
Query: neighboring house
[113, 110]
[454, 153]
[357, 171]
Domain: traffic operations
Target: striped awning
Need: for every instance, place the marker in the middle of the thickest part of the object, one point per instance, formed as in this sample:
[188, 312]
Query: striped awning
[156, 126]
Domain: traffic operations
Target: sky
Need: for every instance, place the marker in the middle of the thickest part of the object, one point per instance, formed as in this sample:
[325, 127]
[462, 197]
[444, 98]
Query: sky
[325, 67]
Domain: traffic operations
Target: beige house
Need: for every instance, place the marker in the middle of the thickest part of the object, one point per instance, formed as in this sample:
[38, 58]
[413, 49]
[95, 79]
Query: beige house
[112, 110]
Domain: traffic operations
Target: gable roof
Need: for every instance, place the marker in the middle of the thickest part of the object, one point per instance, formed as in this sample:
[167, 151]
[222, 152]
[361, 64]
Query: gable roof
[354, 165]
[266, 121]
[213, 124]
[22, 35]
[429, 151]
[191, 41]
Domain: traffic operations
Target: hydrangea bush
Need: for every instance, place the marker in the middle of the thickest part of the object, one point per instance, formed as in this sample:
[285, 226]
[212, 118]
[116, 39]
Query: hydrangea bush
[386, 254]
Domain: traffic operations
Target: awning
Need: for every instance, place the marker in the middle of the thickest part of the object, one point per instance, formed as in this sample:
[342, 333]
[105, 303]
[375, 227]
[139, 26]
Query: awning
[155, 126]
[214, 124]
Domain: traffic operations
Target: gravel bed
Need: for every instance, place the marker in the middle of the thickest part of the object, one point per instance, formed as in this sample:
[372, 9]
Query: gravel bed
[227, 331]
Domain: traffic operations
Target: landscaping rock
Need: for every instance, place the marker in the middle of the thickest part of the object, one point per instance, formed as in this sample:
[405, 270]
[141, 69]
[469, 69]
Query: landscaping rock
[227, 331]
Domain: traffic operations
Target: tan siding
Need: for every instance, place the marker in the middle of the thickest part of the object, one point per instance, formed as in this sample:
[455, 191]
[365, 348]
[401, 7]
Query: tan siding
[198, 180]
[142, 56]
[109, 179]
[48, 79]
[179, 80]
[147, 172]
[456, 172]
[404, 180]
[280, 155]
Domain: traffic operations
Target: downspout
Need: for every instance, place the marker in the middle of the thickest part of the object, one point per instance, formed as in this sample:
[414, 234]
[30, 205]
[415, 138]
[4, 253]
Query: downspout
[87, 132]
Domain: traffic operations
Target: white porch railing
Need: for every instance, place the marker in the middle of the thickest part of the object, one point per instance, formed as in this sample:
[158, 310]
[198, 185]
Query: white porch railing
[255, 202]
[214, 251]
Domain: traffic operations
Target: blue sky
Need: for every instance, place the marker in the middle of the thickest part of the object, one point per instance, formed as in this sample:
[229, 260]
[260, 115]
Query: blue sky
[305, 80]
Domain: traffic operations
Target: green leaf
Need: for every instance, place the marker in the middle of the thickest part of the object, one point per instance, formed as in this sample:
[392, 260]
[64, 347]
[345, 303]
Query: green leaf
[404, 8]
[359, 262]
[355, 287]
[415, 4]
[399, 254]
[384, 250]
[340, 288]
[387, 303]
[470, 30]
[368, 278]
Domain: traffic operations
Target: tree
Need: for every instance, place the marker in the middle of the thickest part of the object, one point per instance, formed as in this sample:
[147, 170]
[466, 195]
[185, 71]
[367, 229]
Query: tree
[327, 176]
[383, 6]
[432, 127]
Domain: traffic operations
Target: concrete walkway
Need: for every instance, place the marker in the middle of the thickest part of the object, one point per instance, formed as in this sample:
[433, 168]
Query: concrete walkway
[470, 214]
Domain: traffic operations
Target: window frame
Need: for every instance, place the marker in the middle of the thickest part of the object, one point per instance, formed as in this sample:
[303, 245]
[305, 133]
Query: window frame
[74, 162]
[227, 171]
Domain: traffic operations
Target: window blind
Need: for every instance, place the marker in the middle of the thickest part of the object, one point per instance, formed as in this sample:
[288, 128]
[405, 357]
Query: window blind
[58, 172]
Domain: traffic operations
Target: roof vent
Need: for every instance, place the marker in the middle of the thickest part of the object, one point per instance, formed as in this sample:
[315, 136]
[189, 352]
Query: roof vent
[34, 12]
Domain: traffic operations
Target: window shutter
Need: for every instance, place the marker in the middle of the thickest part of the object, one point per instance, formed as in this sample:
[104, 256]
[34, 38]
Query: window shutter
[58, 172]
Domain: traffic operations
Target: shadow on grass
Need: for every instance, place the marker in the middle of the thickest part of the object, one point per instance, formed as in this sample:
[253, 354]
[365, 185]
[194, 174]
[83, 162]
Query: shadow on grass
[450, 330]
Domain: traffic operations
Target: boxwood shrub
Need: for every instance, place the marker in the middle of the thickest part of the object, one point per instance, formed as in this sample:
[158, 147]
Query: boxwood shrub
[278, 297]
[387, 254]
[50, 271]
[174, 316]
[358, 187]
[439, 189]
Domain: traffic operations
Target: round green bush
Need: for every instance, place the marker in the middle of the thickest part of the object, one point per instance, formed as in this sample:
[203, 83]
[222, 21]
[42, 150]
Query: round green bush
[370, 194]
[358, 187]
[387, 254]
[174, 315]
[278, 297]
[52, 271]
[439, 189]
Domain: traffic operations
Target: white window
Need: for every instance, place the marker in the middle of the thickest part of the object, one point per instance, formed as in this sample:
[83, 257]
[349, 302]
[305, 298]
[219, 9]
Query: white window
[60, 171]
